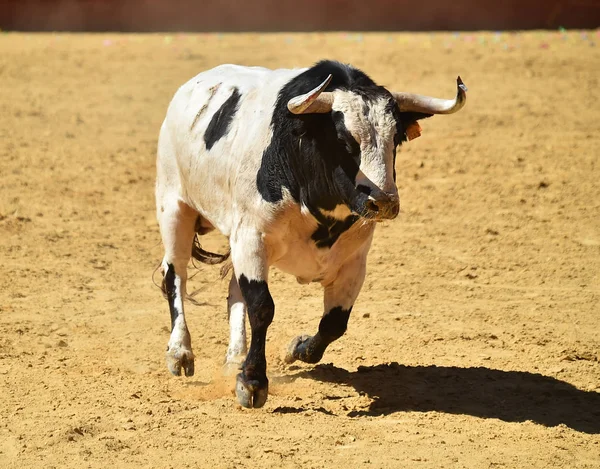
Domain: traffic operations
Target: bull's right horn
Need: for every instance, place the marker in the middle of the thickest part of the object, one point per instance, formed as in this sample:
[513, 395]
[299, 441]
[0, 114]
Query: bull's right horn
[426, 104]
[313, 102]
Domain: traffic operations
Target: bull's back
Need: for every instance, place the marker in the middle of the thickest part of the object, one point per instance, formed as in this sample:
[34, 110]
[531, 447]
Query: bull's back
[214, 134]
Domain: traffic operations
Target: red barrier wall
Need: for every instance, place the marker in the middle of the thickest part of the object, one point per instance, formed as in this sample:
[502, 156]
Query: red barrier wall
[296, 15]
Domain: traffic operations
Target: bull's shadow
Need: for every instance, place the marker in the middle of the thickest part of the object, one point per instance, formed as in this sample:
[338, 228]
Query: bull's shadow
[512, 396]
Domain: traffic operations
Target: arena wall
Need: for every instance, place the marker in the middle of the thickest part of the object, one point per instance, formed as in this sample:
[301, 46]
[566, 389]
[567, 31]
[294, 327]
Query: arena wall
[296, 15]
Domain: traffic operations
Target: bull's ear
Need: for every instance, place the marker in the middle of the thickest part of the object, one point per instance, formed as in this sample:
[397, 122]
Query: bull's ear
[409, 120]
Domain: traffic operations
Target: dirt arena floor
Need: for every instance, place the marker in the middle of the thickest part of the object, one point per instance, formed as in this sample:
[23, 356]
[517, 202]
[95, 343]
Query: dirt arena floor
[475, 342]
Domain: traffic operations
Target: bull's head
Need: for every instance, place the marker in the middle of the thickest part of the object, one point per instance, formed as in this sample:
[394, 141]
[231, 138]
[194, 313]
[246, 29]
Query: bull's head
[371, 126]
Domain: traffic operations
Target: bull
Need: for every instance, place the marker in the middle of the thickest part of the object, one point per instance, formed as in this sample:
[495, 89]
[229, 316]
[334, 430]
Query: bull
[295, 168]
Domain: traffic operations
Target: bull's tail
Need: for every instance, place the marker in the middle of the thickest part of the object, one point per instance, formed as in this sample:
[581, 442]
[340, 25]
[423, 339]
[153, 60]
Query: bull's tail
[207, 257]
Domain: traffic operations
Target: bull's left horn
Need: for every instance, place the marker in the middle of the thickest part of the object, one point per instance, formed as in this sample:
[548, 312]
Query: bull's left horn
[315, 101]
[428, 105]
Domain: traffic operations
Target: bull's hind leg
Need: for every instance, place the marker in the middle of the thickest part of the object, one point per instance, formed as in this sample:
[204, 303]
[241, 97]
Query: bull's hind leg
[339, 298]
[177, 221]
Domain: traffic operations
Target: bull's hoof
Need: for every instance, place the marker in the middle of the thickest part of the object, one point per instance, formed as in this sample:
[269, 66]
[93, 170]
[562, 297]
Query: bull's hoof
[296, 348]
[178, 358]
[251, 393]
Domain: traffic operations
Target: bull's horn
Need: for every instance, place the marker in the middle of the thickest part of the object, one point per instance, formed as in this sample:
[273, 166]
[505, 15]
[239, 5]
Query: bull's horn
[427, 104]
[314, 101]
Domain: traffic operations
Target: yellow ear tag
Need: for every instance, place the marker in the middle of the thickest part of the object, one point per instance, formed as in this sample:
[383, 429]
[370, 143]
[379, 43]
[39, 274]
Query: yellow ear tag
[413, 130]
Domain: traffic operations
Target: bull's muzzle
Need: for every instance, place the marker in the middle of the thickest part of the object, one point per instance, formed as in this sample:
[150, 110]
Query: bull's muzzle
[385, 207]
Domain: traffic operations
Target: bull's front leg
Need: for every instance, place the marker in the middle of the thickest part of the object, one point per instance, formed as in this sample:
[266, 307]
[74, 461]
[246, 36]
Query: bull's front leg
[251, 269]
[236, 310]
[339, 299]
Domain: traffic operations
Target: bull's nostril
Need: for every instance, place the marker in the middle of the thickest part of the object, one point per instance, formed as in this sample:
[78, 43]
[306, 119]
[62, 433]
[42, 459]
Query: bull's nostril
[372, 206]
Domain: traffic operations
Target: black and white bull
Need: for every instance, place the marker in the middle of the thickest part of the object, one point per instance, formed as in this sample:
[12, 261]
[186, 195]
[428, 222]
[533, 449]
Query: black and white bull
[294, 167]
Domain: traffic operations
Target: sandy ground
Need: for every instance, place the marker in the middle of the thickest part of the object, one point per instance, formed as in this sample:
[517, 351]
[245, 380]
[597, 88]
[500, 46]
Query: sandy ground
[475, 341]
